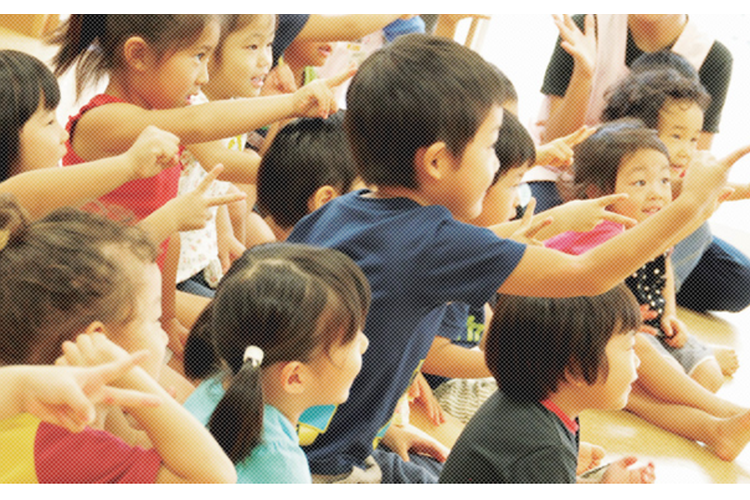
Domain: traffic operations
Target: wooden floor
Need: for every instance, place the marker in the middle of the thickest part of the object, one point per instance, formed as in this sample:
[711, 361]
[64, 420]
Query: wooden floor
[678, 461]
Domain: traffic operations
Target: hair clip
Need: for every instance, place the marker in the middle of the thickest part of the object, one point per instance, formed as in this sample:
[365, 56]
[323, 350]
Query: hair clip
[254, 354]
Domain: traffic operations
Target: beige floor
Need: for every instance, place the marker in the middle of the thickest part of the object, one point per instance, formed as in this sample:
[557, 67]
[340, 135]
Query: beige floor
[677, 460]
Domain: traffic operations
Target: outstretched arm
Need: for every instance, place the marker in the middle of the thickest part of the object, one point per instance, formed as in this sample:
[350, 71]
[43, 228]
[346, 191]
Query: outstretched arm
[42, 191]
[323, 28]
[111, 129]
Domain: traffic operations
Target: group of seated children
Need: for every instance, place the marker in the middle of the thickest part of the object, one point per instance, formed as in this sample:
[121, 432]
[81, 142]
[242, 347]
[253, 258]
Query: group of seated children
[387, 240]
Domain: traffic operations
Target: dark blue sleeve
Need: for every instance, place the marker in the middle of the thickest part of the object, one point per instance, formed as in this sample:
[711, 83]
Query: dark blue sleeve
[466, 263]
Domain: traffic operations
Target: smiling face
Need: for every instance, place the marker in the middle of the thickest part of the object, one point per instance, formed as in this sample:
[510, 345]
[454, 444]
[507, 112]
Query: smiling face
[467, 180]
[308, 53]
[175, 77]
[645, 177]
[679, 128]
[41, 141]
[244, 62]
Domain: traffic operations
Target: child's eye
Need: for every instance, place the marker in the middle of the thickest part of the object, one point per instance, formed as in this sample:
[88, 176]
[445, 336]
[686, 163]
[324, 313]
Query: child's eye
[639, 183]
[253, 47]
[200, 56]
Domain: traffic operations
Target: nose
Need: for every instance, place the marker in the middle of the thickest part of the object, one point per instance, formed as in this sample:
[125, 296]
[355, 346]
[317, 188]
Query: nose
[636, 361]
[265, 58]
[203, 74]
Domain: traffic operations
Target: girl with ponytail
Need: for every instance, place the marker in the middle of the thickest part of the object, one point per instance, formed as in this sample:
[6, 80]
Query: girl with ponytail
[283, 334]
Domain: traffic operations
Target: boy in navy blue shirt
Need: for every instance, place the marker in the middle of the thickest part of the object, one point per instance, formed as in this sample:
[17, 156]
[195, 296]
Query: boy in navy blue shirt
[422, 118]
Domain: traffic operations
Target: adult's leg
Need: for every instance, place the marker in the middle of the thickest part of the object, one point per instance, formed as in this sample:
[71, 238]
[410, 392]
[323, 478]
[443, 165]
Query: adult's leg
[419, 469]
[719, 282]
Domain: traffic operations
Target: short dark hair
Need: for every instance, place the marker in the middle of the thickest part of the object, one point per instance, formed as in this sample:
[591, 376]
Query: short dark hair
[664, 59]
[292, 301]
[643, 95]
[417, 91]
[599, 157]
[305, 155]
[514, 147]
[25, 83]
[533, 342]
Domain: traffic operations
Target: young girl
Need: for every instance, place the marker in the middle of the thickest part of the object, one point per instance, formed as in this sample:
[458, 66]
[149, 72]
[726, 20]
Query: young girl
[710, 274]
[552, 358]
[156, 63]
[624, 157]
[76, 275]
[285, 326]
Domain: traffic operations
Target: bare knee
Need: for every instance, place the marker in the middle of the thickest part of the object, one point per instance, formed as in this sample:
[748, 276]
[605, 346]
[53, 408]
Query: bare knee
[708, 374]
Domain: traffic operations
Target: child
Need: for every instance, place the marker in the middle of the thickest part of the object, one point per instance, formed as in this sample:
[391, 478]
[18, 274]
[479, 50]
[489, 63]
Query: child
[241, 61]
[75, 274]
[303, 56]
[286, 328]
[155, 64]
[624, 157]
[307, 165]
[710, 274]
[422, 119]
[552, 358]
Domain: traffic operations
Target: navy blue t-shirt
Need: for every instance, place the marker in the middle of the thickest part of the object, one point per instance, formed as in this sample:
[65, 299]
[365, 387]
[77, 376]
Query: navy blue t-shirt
[416, 259]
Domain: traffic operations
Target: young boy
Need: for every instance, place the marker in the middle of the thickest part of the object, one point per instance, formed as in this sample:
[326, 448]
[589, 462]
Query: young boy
[423, 116]
[307, 165]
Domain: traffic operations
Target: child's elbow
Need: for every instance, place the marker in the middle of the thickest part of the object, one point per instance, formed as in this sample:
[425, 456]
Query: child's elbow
[224, 475]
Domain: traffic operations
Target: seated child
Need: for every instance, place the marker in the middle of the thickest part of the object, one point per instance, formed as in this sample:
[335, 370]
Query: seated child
[76, 275]
[552, 358]
[423, 114]
[625, 157]
[664, 92]
[307, 165]
[306, 308]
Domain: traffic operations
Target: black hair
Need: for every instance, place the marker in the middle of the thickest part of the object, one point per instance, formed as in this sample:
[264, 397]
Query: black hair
[25, 84]
[61, 273]
[599, 157]
[410, 94]
[514, 147]
[507, 92]
[664, 59]
[235, 22]
[305, 155]
[643, 95]
[95, 41]
[534, 343]
[292, 301]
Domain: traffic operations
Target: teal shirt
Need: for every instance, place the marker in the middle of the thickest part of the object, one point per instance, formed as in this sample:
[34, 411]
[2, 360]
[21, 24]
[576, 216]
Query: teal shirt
[277, 459]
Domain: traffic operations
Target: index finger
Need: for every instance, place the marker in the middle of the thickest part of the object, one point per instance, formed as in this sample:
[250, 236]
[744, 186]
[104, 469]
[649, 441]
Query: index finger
[619, 219]
[210, 178]
[112, 371]
[611, 199]
[337, 80]
[579, 136]
[732, 158]
[528, 213]
[225, 199]
[534, 229]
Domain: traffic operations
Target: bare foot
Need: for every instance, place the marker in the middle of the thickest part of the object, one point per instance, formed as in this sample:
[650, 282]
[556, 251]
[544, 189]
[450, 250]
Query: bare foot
[727, 359]
[732, 435]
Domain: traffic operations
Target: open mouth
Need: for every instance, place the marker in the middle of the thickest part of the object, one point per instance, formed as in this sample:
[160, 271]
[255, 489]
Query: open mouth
[258, 81]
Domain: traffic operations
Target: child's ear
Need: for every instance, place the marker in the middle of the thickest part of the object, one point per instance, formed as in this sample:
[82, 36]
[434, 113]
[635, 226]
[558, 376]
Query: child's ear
[294, 377]
[430, 162]
[321, 196]
[95, 327]
[136, 53]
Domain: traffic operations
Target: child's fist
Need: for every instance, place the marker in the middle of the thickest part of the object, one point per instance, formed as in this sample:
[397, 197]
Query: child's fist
[153, 151]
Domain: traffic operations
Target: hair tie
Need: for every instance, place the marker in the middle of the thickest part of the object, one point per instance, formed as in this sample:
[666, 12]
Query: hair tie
[254, 354]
